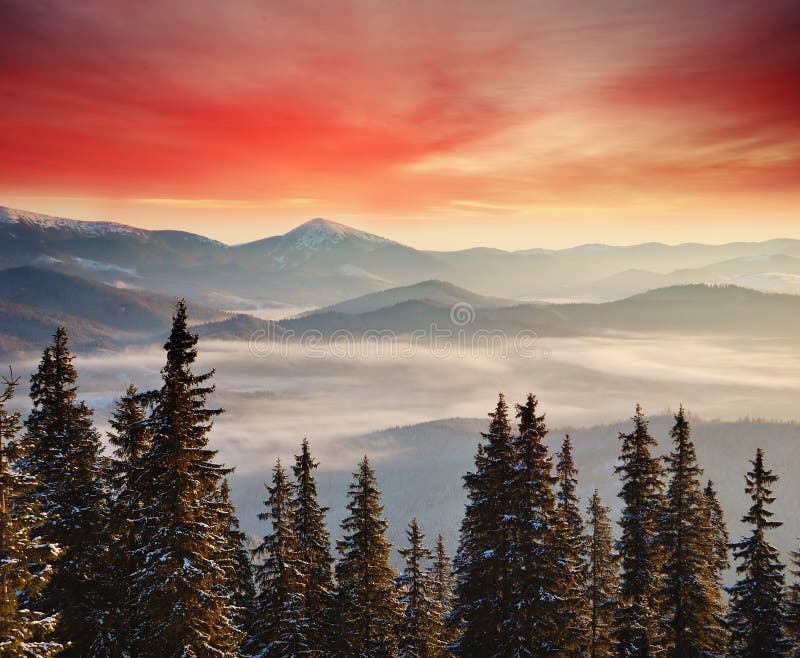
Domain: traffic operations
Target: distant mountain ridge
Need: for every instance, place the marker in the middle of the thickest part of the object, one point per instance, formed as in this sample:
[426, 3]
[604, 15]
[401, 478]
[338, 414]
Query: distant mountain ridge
[322, 263]
[34, 300]
[695, 309]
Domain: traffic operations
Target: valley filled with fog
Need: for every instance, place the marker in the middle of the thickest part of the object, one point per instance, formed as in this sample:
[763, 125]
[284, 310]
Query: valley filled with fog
[344, 405]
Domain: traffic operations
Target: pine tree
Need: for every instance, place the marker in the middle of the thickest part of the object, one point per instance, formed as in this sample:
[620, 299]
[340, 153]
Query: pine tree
[130, 437]
[601, 591]
[482, 608]
[314, 546]
[688, 588]
[572, 550]
[442, 586]
[239, 583]
[420, 631]
[756, 612]
[66, 461]
[636, 631]
[279, 626]
[366, 597]
[24, 558]
[180, 524]
[719, 563]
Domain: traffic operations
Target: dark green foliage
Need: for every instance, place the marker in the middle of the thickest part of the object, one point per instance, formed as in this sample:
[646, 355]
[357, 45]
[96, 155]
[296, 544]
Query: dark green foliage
[279, 626]
[636, 628]
[24, 633]
[130, 437]
[793, 608]
[602, 580]
[572, 553]
[239, 584]
[689, 589]
[719, 563]
[442, 586]
[420, 631]
[314, 550]
[65, 458]
[368, 609]
[179, 603]
[541, 563]
[483, 561]
[756, 613]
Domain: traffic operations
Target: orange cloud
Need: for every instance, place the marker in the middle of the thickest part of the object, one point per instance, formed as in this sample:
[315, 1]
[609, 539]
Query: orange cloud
[404, 108]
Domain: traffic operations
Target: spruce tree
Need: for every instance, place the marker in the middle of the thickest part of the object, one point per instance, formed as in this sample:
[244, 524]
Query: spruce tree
[130, 437]
[689, 591]
[636, 627]
[540, 566]
[65, 458]
[719, 563]
[483, 566]
[602, 580]
[572, 551]
[24, 557]
[279, 626]
[756, 611]
[177, 598]
[793, 608]
[420, 631]
[442, 586]
[366, 599]
[239, 584]
[314, 547]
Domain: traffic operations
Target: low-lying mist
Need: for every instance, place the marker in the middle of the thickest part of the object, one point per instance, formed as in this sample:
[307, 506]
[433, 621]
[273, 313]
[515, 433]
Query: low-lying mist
[271, 403]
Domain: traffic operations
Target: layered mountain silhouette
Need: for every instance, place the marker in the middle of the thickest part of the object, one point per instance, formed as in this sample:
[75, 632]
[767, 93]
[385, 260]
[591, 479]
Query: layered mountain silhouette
[321, 263]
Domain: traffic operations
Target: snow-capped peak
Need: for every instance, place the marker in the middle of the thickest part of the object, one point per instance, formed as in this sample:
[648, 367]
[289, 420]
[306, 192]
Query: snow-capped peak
[50, 223]
[320, 232]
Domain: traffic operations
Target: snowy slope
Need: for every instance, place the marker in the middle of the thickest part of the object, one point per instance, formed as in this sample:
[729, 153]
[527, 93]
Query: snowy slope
[37, 221]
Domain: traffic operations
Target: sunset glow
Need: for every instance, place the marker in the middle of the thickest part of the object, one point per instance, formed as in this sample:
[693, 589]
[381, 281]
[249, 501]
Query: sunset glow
[444, 125]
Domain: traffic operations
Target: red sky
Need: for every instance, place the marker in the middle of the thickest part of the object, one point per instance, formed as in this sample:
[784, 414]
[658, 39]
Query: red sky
[441, 124]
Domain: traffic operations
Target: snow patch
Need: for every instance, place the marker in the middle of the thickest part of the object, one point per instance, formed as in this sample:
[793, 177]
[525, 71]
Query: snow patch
[320, 232]
[49, 223]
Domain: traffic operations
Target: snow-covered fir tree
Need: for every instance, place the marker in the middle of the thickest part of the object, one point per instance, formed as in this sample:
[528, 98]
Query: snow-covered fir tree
[689, 589]
[636, 625]
[793, 608]
[572, 550]
[65, 458]
[483, 564]
[314, 547]
[720, 562]
[420, 633]
[178, 603]
[756, 614]
[442, 586]
[239, 582]
[367, 605]
[601, 580]
[130, 437]
[279, 625]
[24, 557]
[541, 568]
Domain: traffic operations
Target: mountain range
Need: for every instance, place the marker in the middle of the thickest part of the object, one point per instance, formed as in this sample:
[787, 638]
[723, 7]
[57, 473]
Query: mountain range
[113, 284]
[322, 262]
[695, 309]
